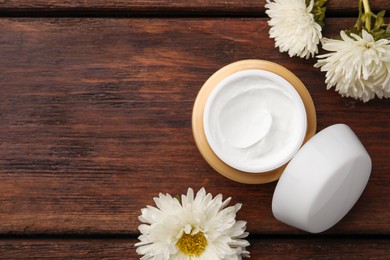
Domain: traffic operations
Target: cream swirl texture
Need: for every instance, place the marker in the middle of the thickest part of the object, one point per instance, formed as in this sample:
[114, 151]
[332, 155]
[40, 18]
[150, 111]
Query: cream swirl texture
[255, 120]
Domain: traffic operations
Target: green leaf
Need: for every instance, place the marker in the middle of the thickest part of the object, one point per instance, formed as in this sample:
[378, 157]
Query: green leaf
[318, 11]
[386, 36]
[378, 34]
[379, 19]
[354, 30]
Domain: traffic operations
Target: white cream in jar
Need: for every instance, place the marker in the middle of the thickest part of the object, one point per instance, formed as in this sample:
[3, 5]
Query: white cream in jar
[255, 120]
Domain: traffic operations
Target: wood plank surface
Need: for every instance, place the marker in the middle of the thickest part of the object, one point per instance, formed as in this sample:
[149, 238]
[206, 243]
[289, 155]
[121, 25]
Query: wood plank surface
[96, 120]
[260, 249]
[341, 7]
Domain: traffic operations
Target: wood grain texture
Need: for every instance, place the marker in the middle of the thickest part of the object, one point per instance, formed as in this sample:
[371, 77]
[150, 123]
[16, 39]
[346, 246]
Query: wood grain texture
[259, 249]
[96, 120]
[341, 7]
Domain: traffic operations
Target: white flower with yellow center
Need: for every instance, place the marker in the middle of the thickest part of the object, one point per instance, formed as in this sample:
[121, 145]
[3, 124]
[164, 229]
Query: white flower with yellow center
[358, 67]
[294, 27]
[200, 228]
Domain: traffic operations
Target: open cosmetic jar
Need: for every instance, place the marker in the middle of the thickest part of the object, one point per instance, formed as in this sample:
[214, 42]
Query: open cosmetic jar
[254, 122]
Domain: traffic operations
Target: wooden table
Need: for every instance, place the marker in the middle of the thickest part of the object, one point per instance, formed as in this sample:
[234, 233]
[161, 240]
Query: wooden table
[95, 109]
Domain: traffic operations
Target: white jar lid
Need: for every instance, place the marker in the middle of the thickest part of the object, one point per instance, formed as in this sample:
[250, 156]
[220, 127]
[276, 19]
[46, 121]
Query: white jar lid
[323, 180]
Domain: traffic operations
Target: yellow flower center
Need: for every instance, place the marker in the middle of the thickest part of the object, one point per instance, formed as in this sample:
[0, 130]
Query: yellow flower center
[192, 244]
[369, 45]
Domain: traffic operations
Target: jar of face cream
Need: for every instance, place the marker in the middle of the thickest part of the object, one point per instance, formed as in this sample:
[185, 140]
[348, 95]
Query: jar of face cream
[255, 121]
[251, 118]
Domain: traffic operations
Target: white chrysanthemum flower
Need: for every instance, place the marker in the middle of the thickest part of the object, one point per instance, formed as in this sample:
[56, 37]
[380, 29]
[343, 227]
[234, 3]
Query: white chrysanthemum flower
[200, 228]
[358, 67]
[293, 26]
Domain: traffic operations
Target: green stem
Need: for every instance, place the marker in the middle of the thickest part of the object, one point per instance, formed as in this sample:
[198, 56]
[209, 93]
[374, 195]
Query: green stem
[360, 7]
[367, 12]
[357, 24]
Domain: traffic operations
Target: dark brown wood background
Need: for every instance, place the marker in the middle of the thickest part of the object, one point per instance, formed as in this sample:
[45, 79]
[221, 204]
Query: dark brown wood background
[95, 119]
[209, 7]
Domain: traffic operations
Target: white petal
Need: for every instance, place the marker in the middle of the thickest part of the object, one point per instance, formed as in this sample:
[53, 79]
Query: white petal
[357, 67]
